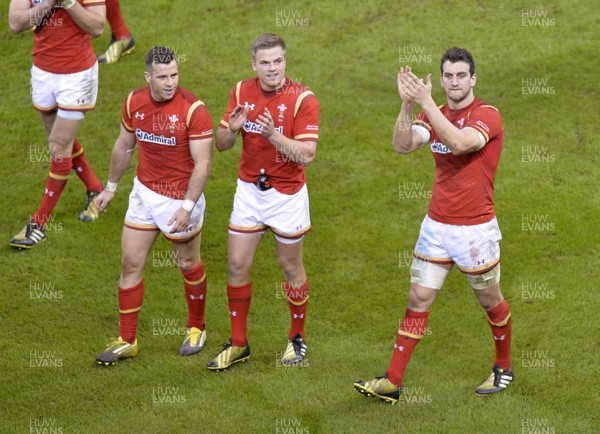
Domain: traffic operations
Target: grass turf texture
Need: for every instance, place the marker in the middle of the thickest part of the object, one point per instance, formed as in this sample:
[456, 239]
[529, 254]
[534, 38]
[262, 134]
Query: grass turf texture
[59, 301]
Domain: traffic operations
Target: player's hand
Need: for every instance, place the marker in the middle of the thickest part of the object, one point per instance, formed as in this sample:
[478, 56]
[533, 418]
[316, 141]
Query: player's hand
[416, 88]
[266, 123]
[103, 199]
[180, 221]
[406, 98]
[238, 117]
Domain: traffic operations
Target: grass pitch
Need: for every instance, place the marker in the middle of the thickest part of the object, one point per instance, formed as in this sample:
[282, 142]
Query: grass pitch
[537, 63]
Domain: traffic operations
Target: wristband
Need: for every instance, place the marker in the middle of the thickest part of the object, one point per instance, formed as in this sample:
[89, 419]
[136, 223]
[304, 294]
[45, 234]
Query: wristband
[68, 4]
[111, 187]
[188, 205]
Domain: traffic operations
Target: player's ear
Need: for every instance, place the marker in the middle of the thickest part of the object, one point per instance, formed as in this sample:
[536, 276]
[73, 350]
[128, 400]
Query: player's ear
[147, 76]
[473, 80]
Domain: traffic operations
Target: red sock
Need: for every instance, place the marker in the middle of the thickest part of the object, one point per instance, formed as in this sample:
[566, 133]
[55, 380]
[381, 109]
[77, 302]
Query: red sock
[55, 184]
[194, 282]
[117, 25]
[501, 324]
[239, 304]
[298, 301]
[412, 329]
[130, 304]
[83, 169]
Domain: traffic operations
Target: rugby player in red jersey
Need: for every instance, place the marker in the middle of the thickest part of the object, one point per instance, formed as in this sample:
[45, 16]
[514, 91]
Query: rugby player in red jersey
[173, 131]
[278, 119]
[64, 85]
[466, 137]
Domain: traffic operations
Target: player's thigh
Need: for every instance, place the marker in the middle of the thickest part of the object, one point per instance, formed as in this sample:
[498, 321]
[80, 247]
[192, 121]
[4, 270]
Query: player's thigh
[489, 297]
[241, 250]
[48, 119]
[289, 253]
[136, 245]
[475, 249]
[44, 89]
[62, 135]
[77, 92]
[430, 246]
[288, 215]
[421, 298]
[187, 253]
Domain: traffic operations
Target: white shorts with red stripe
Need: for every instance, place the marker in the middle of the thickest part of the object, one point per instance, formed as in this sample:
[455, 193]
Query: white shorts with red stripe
[254, 211]
[71, 94]
[150, 211]
[475, 249]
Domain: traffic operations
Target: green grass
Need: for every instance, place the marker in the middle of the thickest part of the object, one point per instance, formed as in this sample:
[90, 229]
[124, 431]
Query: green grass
[349, 56]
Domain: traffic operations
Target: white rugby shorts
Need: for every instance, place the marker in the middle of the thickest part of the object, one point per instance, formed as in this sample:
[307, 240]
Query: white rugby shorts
[254, 211]
[475, 249]
[71, 94]
[150, 211]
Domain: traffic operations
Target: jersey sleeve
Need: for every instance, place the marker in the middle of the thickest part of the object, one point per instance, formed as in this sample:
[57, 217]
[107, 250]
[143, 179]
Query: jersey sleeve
[127, 121]
[199, 122]
[231, 104]
[486, 120]
[306, 117]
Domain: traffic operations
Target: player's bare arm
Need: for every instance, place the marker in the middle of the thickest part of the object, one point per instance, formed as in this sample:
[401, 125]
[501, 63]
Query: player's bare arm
[404, 139]
[460, 141]
[91, 20]
[226, 137]
[298, 151]
[120, 161]
[22, 15]
[201, 151]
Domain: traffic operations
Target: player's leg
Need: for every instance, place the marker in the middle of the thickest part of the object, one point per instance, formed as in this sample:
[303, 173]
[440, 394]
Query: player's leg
[478, 256]
[296, 287]
[429, 269]
[487, 289]
[80, 164]
[121, 42]
[135, 245]
[187, 254]
[241, 251]
[60, 142]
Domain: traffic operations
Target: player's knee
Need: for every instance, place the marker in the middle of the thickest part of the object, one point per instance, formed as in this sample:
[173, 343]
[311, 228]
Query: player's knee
[238, 266]
[131, 265]
[485, 280]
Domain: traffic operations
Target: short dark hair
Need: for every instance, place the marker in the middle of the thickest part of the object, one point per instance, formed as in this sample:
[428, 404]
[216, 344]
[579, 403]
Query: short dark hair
[266, 41]
[456, 54]
[159, 54]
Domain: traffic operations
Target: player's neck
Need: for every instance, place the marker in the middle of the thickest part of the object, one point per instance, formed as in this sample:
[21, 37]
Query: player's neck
[458, 105]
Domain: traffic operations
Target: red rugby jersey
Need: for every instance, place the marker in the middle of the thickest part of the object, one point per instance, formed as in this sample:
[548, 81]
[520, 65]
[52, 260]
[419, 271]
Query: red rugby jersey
[59, 45]
[295, 112]
[163, 131]
[463, 188]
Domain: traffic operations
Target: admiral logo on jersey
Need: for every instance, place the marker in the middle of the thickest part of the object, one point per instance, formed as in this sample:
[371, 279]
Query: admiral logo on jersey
[440, 148]
[251, 127]
[143, 136]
